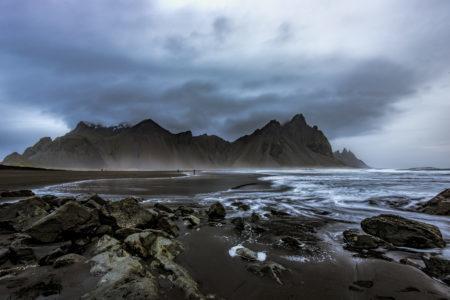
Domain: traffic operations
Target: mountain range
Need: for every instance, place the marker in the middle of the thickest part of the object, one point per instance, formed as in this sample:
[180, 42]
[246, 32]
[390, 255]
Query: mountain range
[148, 146]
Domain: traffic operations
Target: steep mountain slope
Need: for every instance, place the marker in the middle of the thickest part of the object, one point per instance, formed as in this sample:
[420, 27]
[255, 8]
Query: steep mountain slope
[147, 145]
[347, 157]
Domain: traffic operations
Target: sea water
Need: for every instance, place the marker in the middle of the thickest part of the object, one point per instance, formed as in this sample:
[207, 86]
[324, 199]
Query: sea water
[345, 195]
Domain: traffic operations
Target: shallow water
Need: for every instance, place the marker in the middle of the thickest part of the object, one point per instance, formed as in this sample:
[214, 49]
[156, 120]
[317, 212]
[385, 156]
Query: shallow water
[347, 195]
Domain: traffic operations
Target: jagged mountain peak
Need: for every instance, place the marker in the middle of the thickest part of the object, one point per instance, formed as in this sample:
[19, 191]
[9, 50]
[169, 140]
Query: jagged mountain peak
[147, 145]
[349, 158]
[298, 119]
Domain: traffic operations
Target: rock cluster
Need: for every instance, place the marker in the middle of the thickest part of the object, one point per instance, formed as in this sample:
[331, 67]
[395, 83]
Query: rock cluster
[404, 232]
[387, 232]
[126, 245]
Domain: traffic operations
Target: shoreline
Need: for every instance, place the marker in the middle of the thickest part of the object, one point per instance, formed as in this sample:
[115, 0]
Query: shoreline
[318, 269]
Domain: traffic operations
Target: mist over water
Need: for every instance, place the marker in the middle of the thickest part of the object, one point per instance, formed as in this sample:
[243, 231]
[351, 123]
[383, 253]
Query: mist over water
[346, 195]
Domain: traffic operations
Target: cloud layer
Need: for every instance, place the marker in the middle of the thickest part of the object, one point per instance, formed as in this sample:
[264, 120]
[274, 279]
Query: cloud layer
[357, 70]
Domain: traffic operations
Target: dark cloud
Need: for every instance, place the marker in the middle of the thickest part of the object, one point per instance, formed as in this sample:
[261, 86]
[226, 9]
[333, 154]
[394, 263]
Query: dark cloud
[110, 63]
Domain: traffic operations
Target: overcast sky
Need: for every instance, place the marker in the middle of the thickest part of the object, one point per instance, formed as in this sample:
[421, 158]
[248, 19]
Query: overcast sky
[373, 75]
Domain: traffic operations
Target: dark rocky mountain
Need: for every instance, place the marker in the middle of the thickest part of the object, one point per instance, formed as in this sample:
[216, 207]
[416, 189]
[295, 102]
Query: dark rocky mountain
[348, 158]
[147, 145]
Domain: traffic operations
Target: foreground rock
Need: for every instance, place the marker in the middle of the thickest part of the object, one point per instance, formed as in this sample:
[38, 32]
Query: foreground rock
[271, 269]
[126, 213]
[16, 216]
[68, 259]
[438, 205]
[404, 232]
[438, 267]
[68, 222]
[356, 241]
[216, 211]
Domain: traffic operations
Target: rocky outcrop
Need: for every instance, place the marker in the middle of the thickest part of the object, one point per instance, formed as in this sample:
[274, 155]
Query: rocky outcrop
[70, 221]
[17, 216]
[438, 205]
[349, 159]
[126, 213]
[404, 232]
[147, 145]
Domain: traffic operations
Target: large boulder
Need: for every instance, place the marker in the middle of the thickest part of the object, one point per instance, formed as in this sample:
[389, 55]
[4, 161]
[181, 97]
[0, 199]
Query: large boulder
[404, 232]
[140, 243]
[216, 211]
[17, 216]
[127, 213]
[438, 205]
[68, 222]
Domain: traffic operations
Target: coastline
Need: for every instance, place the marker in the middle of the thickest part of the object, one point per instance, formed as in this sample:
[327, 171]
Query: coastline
[321, 269]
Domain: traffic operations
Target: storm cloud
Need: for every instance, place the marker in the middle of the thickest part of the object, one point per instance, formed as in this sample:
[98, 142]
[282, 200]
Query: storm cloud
[356, 70]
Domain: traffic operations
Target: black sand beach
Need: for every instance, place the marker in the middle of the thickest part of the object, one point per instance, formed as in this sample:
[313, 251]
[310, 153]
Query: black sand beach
[318, 267]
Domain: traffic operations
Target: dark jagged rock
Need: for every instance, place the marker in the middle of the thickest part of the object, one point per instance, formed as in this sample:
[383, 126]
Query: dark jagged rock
[17, 216]
[216, 211]
[244, 207]
[85, 198]
[438, 205]
[355, 240]
[168, 226]
[50, 258]
[247, 254]
[184, 211]
[140, 243]
[122, 233]
[268, 268]
[162, 207]
[238, 223]
[103, 229]
[68, 259]
[404, 232]
[126, 213]
[438, 267]
[291, 242]
[191, 221]
[68, 222]
[21, 193]
[254, 218]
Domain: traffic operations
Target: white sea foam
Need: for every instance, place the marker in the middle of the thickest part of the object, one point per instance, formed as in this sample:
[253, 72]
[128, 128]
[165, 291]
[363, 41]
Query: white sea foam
[232, 252]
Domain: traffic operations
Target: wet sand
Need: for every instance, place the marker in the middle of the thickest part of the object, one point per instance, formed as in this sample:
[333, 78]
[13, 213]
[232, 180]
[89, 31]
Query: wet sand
[165, 183]
[327, 271]
[30, 179]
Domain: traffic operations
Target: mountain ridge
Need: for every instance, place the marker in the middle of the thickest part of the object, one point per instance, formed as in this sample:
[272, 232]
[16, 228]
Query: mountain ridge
[147, 145]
